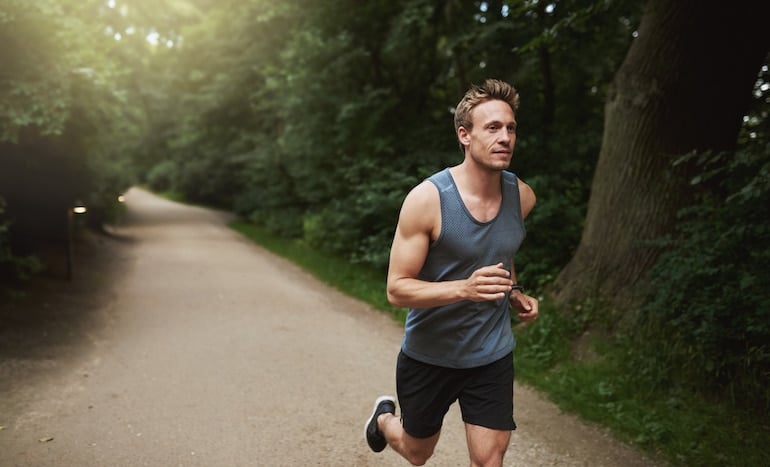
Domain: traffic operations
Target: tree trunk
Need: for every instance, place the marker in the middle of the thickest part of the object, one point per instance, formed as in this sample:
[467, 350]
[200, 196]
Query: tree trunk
[684, 86]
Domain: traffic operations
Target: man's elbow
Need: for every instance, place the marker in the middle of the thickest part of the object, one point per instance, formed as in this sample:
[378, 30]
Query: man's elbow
[394, 298]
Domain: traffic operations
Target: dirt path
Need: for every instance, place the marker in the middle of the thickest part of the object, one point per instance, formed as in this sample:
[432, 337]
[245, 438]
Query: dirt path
[181, 343]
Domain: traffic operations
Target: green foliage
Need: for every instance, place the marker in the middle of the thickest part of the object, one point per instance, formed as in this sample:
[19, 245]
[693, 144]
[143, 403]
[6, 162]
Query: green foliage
[13, 267]
[161, 176]
[541, 347]
[65, 126]
[360, 226]
[708, 309]
[596, 375]
[287, 222]
[33, 94]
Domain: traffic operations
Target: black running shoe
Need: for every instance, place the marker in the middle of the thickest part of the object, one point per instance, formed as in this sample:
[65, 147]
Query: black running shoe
[373, 435]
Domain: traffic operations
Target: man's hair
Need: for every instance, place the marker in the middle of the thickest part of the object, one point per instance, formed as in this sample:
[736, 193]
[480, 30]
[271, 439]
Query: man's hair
[492, 89]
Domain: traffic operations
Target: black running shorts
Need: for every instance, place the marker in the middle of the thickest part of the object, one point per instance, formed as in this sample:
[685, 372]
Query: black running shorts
[425, 393]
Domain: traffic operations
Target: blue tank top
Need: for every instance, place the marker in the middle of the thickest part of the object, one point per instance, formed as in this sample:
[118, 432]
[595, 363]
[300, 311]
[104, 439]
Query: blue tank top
[466, 334]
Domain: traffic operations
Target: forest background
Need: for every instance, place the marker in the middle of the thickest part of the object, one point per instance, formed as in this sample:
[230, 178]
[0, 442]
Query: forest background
[643, 129]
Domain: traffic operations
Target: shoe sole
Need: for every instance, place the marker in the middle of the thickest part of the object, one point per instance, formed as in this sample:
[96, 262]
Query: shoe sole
[374, 410]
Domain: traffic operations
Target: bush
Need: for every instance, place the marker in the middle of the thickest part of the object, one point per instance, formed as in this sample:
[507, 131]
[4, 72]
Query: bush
[13, 267]
[360, 226]
[162, 176]
[705, 323]
[286, 223]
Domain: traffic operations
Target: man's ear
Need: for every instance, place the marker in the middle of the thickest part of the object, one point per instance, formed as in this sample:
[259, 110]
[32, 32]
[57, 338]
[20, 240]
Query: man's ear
[464, 136]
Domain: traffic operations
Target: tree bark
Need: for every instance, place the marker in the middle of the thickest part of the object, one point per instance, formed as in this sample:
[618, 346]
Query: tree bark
[684, 86]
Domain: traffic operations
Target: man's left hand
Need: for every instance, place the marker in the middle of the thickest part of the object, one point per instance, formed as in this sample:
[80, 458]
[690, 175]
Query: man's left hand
[526, 306]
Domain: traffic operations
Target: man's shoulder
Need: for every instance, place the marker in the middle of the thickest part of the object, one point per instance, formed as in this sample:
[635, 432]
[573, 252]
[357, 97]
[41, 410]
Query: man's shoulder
[440, 176]
[420, 208]
[424, 191]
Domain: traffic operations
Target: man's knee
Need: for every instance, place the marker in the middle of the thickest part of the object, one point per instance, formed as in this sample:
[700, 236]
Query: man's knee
[487, 447]
[418, 450]
[488, 459]
[418, 456]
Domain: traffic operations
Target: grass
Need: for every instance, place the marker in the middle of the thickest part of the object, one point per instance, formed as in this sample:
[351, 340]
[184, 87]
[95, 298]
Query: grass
[676, 426]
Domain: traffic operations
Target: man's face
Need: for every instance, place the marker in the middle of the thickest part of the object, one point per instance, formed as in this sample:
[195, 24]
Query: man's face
[493, 136]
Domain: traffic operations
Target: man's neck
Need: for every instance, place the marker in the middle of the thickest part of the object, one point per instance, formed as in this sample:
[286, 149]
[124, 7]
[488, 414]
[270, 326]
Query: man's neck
[476, 180]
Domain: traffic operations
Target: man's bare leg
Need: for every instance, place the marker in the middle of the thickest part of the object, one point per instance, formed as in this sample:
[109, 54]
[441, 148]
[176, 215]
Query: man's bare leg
[486, 446]
[415, 450]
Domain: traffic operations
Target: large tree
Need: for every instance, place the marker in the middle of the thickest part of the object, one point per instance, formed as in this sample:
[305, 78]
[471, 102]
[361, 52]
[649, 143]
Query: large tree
[684, 86]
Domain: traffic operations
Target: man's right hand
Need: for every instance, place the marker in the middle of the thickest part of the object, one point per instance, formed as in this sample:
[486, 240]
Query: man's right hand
[488, 283]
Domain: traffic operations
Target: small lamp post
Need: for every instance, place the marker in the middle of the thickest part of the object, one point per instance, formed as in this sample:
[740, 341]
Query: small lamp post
[77, 208]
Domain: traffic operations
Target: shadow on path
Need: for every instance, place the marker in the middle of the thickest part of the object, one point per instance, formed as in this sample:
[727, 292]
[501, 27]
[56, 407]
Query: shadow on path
[51, 321]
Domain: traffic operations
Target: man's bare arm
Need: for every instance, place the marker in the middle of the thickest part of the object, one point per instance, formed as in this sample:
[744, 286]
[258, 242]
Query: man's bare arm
[527, 197]
[526, 306]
